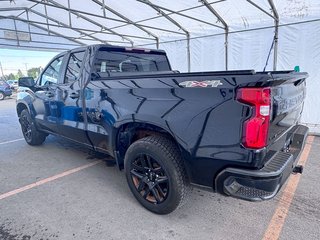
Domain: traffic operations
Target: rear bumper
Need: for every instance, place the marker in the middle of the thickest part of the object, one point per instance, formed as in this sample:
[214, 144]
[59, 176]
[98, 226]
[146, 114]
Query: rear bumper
[263, 184]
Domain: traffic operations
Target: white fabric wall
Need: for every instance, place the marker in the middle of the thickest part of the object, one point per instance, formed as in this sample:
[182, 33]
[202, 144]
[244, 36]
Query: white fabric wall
[214, 50]
[177, 54]
[249, 50]
[299, 45]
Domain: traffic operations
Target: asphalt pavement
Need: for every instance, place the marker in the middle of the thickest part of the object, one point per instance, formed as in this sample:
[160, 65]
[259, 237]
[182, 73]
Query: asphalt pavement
[62, 191]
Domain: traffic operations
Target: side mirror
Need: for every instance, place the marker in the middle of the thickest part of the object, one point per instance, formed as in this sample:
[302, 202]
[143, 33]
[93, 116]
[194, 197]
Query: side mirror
[26, 82]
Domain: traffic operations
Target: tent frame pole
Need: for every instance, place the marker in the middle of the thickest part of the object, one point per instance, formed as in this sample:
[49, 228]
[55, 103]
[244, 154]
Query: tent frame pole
[15, 29]
[276, 34]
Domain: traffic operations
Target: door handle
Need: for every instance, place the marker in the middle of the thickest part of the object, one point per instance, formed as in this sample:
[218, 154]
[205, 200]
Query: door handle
[74, 95]
[49, 94]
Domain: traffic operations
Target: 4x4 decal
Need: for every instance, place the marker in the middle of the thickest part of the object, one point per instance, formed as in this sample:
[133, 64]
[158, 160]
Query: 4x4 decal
[208, 83]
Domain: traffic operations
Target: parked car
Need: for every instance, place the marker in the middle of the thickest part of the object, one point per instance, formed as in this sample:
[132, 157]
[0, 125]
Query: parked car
[5, 89]
[13, 84]
[234, 132]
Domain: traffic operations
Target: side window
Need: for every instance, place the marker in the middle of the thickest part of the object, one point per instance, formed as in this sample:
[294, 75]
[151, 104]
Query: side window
[51, 74]
[74, 66]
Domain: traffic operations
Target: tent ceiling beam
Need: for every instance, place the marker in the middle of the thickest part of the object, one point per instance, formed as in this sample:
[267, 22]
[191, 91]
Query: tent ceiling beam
[43, 42]
[105, 7]
[53, 33]
[60, 24]
[78, 11]
[160, 16]
[79, 30]
[260, 8]
[42, 28]
[75, 12]
[26, 9]
[108, 18]
[181, 14]
[89, 39]
[95, 23]
[33, 48]
[12, 9]
[225, 25]
[157, 9]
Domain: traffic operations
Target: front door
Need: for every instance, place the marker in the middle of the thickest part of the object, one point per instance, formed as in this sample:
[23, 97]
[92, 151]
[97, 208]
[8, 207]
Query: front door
[45, 109]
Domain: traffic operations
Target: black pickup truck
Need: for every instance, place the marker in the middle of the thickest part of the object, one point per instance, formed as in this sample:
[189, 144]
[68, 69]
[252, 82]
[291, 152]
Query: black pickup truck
[233, 132]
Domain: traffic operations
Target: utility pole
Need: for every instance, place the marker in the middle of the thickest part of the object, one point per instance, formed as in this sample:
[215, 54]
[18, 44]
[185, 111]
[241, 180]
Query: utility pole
[2, 71]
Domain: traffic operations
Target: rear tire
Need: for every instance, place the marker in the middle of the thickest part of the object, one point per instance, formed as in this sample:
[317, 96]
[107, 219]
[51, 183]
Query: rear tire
[31, 134]
[2, 96]
[155, 174]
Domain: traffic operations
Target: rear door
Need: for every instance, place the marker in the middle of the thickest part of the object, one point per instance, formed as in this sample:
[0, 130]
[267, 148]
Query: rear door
[71, 122]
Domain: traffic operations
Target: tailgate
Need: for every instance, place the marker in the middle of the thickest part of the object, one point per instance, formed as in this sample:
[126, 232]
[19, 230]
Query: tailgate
[288, 94]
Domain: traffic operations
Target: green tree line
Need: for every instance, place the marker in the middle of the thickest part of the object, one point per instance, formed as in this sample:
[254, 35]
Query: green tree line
[32, 72]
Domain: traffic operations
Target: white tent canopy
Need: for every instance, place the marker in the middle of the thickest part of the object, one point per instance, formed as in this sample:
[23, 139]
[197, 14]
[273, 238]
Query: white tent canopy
[198, 35]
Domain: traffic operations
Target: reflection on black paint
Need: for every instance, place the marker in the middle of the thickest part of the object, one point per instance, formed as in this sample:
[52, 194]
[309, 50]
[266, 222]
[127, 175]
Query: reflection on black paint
[140, 98]
[135, 84]
[174, 106]
[196, 146]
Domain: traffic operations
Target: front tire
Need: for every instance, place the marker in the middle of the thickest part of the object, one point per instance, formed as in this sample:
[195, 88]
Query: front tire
[31, 134]
[155, 174]
[2, 96]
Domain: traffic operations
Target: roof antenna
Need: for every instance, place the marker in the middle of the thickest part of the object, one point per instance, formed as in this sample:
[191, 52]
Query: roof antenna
[274, 39]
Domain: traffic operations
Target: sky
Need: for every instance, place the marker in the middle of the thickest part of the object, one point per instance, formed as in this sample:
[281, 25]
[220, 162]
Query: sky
[14, 59]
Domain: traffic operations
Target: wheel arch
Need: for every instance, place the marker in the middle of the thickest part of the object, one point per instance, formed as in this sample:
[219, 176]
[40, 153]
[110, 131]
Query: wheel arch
[129, 132]
[3, 94]
[20, 107]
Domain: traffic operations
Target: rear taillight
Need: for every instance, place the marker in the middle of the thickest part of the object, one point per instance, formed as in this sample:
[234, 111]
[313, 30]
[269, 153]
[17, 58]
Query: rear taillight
[255, 129]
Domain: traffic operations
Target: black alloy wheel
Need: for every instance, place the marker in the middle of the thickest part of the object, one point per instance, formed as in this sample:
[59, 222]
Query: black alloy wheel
[26, 127]
[150, 179]
[156, 175]
[31, 134]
